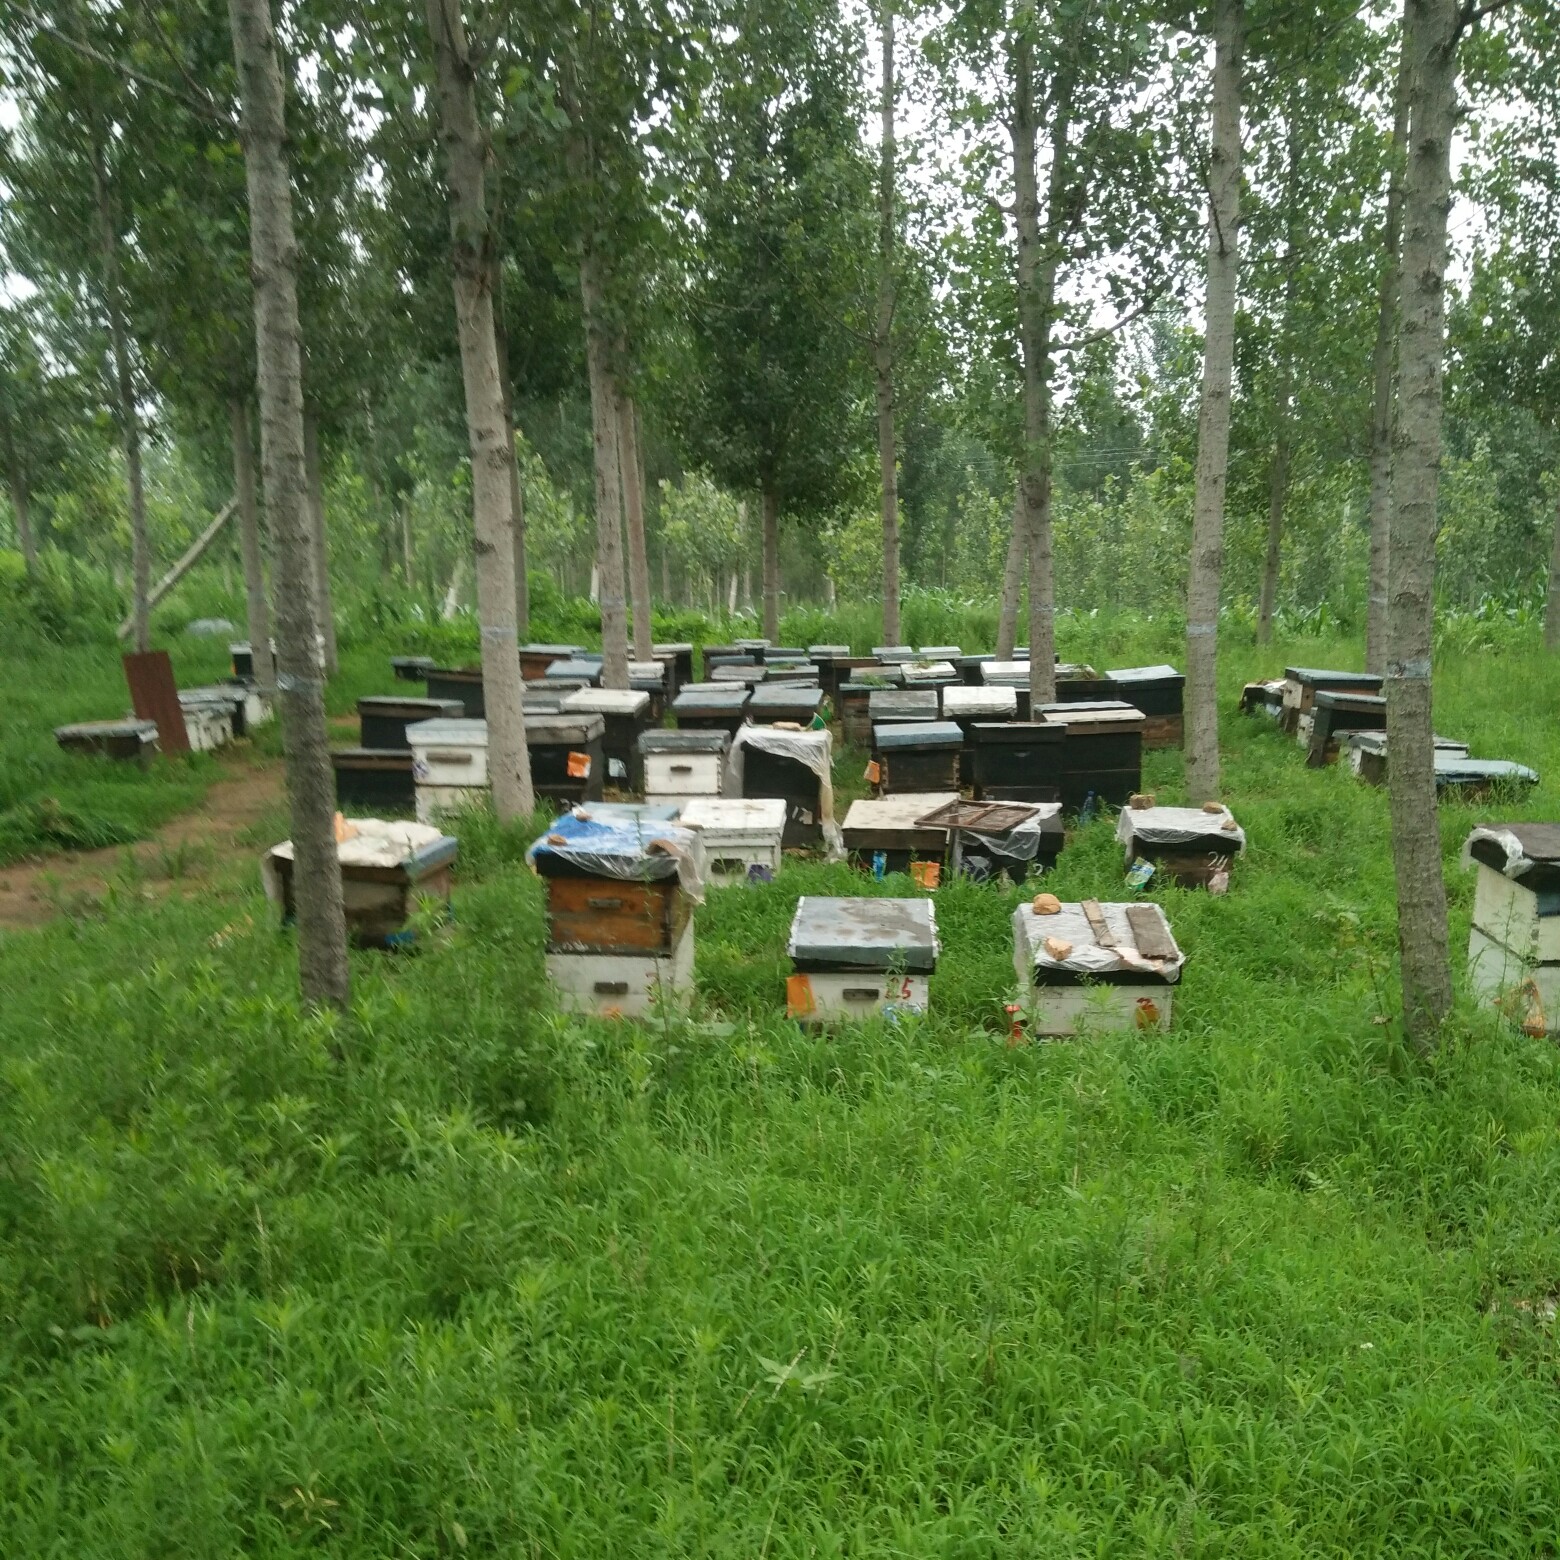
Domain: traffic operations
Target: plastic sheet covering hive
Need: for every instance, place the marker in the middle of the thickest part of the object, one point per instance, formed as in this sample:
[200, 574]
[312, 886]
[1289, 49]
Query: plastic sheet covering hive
[376, 842]
[1071, 925]
[814, 749]
[1177, 826]
[1541, 845]
[632, 849]
[1021, 843]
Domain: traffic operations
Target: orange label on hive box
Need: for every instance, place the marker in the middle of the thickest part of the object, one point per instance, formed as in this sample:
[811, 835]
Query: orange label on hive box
[927, 874]
[799, 997]
[874, 772]
[579, 766]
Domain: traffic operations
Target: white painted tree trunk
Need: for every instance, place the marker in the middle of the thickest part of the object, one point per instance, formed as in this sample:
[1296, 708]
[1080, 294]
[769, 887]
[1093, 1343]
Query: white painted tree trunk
[244, 495]
[1012, 581]
[771, 507]
[323, 970]
[314, 477]
[1213, 422]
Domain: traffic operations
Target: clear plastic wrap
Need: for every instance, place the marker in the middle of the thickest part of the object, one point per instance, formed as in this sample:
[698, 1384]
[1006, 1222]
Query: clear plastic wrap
[813, 749]
[632, 849]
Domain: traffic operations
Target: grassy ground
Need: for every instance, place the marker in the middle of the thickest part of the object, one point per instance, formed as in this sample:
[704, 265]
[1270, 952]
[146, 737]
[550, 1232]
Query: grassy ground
[450, 1275]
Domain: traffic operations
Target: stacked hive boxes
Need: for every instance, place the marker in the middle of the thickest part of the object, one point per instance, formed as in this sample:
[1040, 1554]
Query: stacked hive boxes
[1514, 943]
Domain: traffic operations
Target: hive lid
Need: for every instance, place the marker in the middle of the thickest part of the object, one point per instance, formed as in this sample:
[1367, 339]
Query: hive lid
[897, 813]
[608, 701]
[735, 815]
[929, 671]
[547, 730]
[902, 704]
[423, 709]
[1456, 769]
[892, 652]
[746, 675]
[751, 644]
[865, 933]
[635, 812]
[1341, 699]
[647, 671]
[1104, 939]
[786, 696]
[940, 652]
[1145, 674]
[716, 698]
[997, 699]
[676, 647]
[1017, 733]
[1014, 673]
[658, 740]
[830, 651]
[1108, 713]
[1315, 674]
[931, 735]
[575, 666]
[1526, 852]
[142, 730]
[559, 650]
[1180, 826]
[450, 733]
[878, 675]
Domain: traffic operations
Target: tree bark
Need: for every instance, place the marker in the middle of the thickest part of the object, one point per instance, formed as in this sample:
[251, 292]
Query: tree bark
[407, 565]
[1213, 421]
[883, 340]
[21, 507]
[1383, 375]
[1430, 43]
[771, 549]
[1552, 595]
[244, 496]
[323, 971]
[1012, 580]
[487, 426]
[516, 493]
[609, 476]
[124, 389]
[634, 523]
[1278, 489]
[1038, 258]
[319, 542]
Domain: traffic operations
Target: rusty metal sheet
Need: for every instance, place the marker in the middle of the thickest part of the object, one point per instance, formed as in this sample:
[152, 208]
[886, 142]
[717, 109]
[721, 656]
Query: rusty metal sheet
[155, 697]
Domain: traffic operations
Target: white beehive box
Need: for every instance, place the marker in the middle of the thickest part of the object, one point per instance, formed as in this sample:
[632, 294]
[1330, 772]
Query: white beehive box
[1514, 942]
[994, 701]
[738, 834]
[207, 722]
[449, 753]
[621, 985]
[853, 958]
[682, 763]
[1105, 981]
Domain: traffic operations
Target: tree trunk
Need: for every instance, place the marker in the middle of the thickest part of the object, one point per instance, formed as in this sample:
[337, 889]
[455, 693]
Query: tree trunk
[1383, 373]
[407, 568]
[1552, 596]
[516, 494]
[319, 541]
[487, 426]
[883, 341]
[1012, 580]
[1430, 42]
[21, 507]
[609, 476]
[1213, 421]
[323, 971]
[1278, 488]
[771, 508]
[249, 544]
[1038, 259]
[129, 419]
[634, 522]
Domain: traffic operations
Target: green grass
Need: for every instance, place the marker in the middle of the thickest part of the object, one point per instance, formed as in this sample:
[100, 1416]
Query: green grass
[449, 1275]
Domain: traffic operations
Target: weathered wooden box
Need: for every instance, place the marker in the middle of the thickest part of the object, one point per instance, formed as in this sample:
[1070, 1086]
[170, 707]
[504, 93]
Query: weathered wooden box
[1303, 683]
[711, 707]
[1333, 715]
[625, 712]
[1159, 692]
[917, 756]
[1189, 846]
[567, 760]
[1102, 754]
[128, 741]
[374, 779]
[382, 721]
[852, 958]
[682, 763]
[1109, 967]
[798, 702]
[462, 683]
[742, 836]
[881, 835]
[1017, 761]
[386, 867]
[678, 655]
[536, 658]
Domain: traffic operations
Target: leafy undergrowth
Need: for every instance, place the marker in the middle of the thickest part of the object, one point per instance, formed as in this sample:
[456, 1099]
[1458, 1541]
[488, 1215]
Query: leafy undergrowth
[451, 1275]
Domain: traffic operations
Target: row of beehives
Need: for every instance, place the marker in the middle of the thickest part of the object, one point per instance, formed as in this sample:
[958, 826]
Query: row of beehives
[1337, 716]
[213, 716]
[622, 885]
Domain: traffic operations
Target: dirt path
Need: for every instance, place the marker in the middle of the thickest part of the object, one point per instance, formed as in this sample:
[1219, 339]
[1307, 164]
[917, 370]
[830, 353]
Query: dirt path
[185, 853]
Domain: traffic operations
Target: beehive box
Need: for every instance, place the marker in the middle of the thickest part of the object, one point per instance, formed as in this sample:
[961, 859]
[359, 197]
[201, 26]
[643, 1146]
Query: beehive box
[1365, 752]
[1109, 967]
[1460, 779]
[462, 683]
[623, 985]
[855, 711]
[208, 721]
[714, 661]
[567, 760]
[236, 701]
[968, 706]
[929, 674]
[682, 763]
[241, 658]
[1332, 715]
[852, 958]
[835, 671]
[678, 654]
[1264, 698]
[382, 721]
[404, 668]
[893, 653]
[950, 653]
[1159, 692]
[971, 668]
[652, 678]
[917, 756]
[1303, 683]
[536, 658]
[449, 751]
[703, 707]
[1102, 753]
[1192, 847]
[1514, 942]
[757, 648]
[625, 712]
[253, 707]
[128, 741]
[798, 702]
[1078, 684]
[386, 867]
[793, 766]
[1009, 674]
[1017, 761]
[576, 669]
[741, 836]
[881, 835]
[899, 706]
[369, 779]
[802, 672]
[989, 840]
